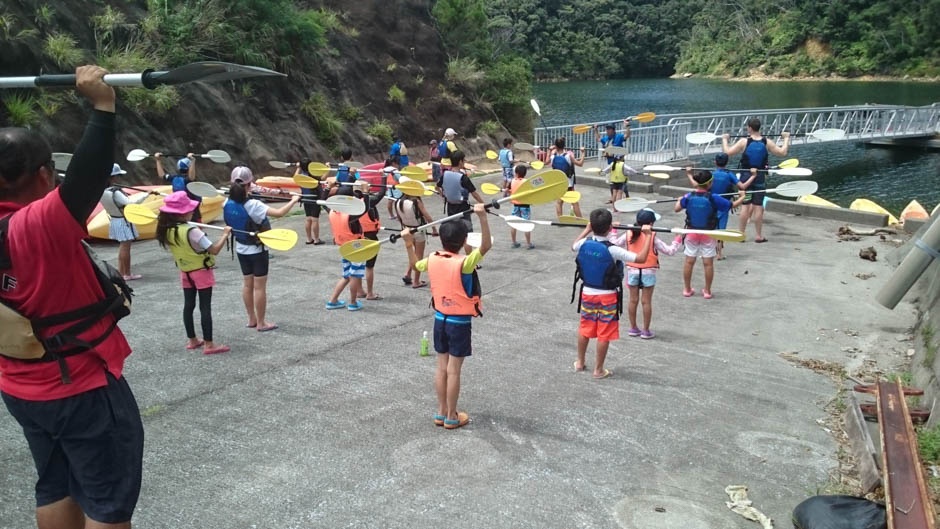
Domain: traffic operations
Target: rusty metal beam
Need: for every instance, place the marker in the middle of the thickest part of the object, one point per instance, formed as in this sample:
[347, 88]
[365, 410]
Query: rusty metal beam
[906, 500]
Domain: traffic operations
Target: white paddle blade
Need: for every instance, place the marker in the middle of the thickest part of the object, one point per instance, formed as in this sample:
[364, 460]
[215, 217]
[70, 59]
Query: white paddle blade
[659, 168]
[61, 160]
[797, 188]
[519, 224]
[793, 171]
[137, 155]
[523, 146]
[593, 170]
[202, 189]
[354, 165]
[616, 151]
[626, 205]
[345, 204]
[217, 156]
[700, 138]
[475, 238]
[279, 165]
[828, 134]
[535, 106]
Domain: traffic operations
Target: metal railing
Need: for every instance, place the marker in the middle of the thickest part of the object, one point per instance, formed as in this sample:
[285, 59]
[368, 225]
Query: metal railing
[666, 142]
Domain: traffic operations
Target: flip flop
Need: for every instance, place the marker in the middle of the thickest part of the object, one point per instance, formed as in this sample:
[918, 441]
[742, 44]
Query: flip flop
[575, 365]
[318, 242]
[607, 373]
[217, 350]
[439, 419]
[310, 242]
[376, 298]
[250, 326]
[406, 280]
[268, 328]
[462, 420]
[761, 240]
[420, 284]
[191, 346]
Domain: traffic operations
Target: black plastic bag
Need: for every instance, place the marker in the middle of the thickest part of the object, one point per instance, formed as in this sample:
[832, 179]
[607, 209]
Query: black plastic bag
[839, 512]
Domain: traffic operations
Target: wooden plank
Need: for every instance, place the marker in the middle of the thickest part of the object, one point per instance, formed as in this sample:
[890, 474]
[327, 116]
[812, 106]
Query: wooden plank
[906, 501]
[862, 446]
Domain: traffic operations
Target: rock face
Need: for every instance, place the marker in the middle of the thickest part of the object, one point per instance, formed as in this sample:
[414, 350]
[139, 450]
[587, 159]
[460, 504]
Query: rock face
[394, 45]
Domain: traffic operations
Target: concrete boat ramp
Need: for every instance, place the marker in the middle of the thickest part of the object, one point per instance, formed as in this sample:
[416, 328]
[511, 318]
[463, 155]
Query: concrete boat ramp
[326, 422]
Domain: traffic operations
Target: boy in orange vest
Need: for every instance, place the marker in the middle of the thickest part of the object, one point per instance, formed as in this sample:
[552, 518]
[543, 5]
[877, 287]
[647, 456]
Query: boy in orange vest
[455, 296]
[523, 211]
[642, 275]
[347, 228]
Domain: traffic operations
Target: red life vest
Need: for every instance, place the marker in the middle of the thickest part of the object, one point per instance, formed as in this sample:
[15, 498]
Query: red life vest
[448, 295]
[513, 186]
[342, 233]
[636, 244]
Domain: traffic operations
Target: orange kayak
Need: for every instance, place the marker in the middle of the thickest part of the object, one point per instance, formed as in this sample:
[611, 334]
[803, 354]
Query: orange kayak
[914, 211]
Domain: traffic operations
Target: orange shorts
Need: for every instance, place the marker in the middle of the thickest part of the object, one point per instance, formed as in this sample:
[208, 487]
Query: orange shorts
[599, 317]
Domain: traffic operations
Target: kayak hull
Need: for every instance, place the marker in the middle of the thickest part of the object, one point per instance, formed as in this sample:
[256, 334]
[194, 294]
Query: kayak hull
[816, 201]
[914, 210]
[863, 204]
[99, 222]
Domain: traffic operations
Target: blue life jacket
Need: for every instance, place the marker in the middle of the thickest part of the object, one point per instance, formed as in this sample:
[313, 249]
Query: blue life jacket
[560, 162]
[454, 193]
[723, 182]
[504, 158]
[236, 216]
[755, 154]
[596, 268]
[343, 174]
[178, 183]
[700, 211]
[442, 149]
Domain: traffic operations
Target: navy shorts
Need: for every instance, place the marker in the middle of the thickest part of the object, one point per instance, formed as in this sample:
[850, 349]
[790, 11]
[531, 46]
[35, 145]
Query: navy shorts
[312, 210]
[617, 186]
[255, 264]
[89, 447]
[755, 198]
[372, 236]
[452, 338]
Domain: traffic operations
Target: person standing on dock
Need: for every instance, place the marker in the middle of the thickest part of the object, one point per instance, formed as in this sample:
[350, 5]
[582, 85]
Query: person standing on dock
[755, 150]
[614, 139]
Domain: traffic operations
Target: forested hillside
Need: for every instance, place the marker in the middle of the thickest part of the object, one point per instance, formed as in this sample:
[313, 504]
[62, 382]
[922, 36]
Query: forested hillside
[632, 38]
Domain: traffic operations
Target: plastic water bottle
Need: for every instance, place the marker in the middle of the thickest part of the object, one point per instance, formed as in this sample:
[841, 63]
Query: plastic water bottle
[424, 345]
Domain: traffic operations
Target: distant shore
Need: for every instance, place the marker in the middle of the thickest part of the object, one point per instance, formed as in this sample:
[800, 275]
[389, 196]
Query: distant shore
[764, 77]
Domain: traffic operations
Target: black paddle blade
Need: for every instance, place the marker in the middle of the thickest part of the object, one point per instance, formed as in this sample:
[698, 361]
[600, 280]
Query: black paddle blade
[206, 72]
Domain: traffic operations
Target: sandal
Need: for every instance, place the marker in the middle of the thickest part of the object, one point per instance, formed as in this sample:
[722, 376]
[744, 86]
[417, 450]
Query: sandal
[406, 280]
[576, 366]
[420, 284]
[761, 240]
[217, 349]
[439, 419]
[310, 242]
[374, 298]
[318, 242]
[197, 345]
[267, 328]
[461, 420]
[605, 374]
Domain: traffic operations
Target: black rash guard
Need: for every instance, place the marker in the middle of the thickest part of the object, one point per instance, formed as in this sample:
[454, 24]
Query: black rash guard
[90, 169]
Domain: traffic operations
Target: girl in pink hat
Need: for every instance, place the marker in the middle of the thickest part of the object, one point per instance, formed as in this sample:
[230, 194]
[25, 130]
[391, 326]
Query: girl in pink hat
[194, 255]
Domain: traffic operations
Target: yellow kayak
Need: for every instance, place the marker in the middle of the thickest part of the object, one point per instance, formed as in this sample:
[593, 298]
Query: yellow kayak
[863, 204]
[100, 221]
[914, 211]
[816, 201]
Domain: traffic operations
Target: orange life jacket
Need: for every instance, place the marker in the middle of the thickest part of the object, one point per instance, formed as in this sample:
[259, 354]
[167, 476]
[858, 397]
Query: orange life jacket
[516, 182]
[448, 295]
[636, 244]
[342, 233]
[368, 223]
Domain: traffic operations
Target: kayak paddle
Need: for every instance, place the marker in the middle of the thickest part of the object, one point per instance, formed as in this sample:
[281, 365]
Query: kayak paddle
[701, 138]
[409, 187]
[61, 160]
[721, 235]
[216, 156]
[644, 117]
[796, 188]
[785, 171]
[279, 239]
[205, 72]
[342, 203]
[288, 165]
[536, 164]
[535, 107]
[540, 189]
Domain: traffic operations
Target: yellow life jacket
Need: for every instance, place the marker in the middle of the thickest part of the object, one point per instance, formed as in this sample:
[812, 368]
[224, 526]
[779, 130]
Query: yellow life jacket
[616, 173]
[187, 259]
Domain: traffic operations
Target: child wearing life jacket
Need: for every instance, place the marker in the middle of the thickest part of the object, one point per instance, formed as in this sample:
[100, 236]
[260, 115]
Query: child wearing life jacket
[347, 228]
[344, 174]
[725, 182]
[114, 200]
[455, 296]
[701, 213]
[618, 173]
[371, 224]
[520, 210]
[456, 189]
[641, 275]
[392, 178]
[249, 214]
[506, 160]
[186, 173]
[600, 269]
[412, 213]
[564, 161]
[194, 254]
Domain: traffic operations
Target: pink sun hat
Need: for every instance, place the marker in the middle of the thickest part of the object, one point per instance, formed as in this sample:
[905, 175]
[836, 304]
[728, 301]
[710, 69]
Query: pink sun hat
[178, 203]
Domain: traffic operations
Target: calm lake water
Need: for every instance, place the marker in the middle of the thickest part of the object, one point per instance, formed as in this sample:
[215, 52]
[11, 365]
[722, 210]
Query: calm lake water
[845, 171]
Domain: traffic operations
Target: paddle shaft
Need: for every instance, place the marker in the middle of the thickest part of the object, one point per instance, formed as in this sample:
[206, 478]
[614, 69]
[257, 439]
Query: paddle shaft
[671, 168]
[733, 193]
[139, 189]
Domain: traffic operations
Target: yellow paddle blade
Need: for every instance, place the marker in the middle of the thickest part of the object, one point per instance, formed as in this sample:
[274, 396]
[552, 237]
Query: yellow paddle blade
[645, 117]
[490, 189]
[279, 239]
[593, 170]
[581, 129]
[571, 219]
[537, 164]
[542, 188]
[413, 171]
[139, 214]
[412, 188]
[720, 235]
[661, 176]
[742, 234]
[359, 250]
[492, 155]
[306, 182]
[571, 197]
[317, 169]
[789, 164]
